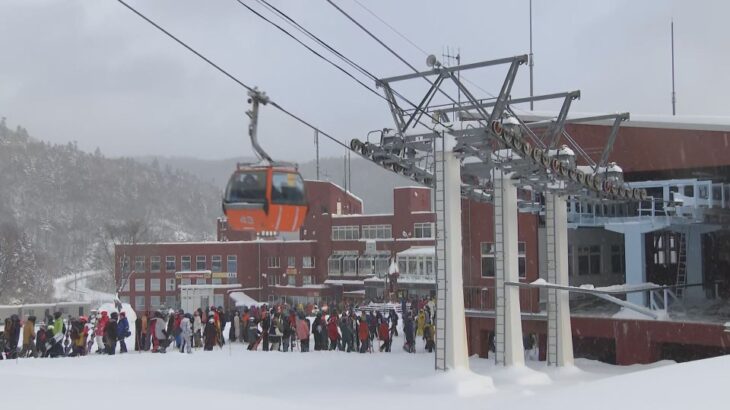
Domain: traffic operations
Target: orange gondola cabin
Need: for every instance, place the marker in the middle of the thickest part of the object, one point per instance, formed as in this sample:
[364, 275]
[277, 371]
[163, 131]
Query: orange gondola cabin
[265, 198]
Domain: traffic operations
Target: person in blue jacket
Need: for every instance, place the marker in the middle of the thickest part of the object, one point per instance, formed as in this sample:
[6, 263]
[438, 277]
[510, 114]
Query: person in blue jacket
[122, 332]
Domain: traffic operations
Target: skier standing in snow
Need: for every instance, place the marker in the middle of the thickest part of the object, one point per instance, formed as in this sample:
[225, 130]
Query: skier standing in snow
[363, 333]
[186, 333]
[210, 334]
[346, 331]
[236, 327]
[111, 334]
[123, 332]
[384, 335]
[29, 338]
[410, 332]
[333, 331]
[303, 332]
[99, 331]
[197, 329]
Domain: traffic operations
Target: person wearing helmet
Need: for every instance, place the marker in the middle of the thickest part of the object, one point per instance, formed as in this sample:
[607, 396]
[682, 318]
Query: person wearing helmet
[99, 331]
[123, 332]
[186, 334]
[210, 334]
[110, 334]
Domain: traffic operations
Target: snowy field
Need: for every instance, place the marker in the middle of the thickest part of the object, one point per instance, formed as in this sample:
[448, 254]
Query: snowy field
[238, 378]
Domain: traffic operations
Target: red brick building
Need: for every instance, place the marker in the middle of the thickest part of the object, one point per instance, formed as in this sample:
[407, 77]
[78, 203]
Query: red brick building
[342, 253]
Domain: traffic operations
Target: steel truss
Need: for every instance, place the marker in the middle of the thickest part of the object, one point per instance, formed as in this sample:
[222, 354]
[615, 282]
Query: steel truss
[499, 139]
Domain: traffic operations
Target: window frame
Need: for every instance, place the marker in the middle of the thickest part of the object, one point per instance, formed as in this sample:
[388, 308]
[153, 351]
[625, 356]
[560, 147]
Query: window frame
[155, 261]
[488, 255]
[168, 260]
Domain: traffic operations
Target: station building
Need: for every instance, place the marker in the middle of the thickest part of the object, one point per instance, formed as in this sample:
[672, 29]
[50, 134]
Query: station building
[345, 254]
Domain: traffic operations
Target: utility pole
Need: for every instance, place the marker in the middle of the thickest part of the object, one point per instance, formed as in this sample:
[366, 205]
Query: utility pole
[532, 60]
[316, 145]
[674, 95]
[349, 171]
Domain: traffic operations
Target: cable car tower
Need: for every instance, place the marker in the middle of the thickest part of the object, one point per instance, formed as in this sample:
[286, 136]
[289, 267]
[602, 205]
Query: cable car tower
[497, 156]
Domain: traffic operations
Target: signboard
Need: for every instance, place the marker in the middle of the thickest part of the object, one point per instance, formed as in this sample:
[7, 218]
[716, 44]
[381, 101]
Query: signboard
[193, 275]
[291, 271]
[224, 275]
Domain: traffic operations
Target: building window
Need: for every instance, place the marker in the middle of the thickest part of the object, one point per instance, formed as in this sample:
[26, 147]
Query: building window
[345, 233]
[186, 281]
[185, 263]
[334, 265]
[170, 285]
[291, 280]
[139, 264]
[200, 281]
[125, 288]
[139, 285]
[125, 264]
[232, 263]
[154, 285]
[423, 230]
[139, 303]
[200, 262]
[349, 265]
[617, 259]
[291, 262]
[216, 263]
[155, 264]
[273, 262]
[377, 232]
[306, 279]
[171, 302]
[589, 260]
[154, 302]
[216, 281]
[273, 280]
[307, 262]
[522, 259]
[124, 299]
[169, 264]
[488, 261]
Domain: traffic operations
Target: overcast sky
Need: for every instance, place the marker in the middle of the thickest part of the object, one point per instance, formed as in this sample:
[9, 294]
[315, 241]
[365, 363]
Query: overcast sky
[91, 71]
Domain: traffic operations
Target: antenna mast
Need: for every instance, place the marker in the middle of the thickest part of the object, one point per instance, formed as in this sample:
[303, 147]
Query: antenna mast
[674, 94]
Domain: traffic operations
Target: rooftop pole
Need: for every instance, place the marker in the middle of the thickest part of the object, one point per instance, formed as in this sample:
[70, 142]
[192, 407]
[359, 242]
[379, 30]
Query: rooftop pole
[674, 95]
[532, 63]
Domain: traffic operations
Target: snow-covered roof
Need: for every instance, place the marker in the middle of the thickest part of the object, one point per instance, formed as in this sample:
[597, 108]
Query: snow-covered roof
[340, 188]
[229, 286]
[242, 299]
[358, 215]
[682, 122]
[418, 251]
[343, 282]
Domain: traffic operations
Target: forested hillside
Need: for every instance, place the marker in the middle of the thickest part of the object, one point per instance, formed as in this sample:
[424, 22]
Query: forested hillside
[61, 210]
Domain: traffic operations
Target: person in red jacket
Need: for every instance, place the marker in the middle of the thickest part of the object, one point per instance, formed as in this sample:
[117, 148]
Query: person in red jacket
[363, 333]
[384, 335]
[333, 332]
[99, 331]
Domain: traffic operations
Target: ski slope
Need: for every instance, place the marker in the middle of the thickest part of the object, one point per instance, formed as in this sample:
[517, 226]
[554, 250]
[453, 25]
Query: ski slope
[232, 377]
[73, 288]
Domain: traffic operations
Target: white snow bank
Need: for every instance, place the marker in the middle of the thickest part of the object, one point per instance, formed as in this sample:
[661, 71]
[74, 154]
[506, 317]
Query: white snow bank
[241, 299]
[131, 317]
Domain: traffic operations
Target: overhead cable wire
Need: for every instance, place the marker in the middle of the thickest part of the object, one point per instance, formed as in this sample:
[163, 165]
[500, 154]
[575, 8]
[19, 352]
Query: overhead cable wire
[334, 51]
[398, 56]
[411, 42]
[347, 73]
[232, 77]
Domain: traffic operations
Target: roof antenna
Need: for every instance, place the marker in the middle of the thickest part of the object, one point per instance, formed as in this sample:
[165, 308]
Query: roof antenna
[674, 95]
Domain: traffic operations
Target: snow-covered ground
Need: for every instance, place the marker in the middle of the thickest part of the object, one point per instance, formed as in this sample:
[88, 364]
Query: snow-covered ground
[235, 377]
[73, 288]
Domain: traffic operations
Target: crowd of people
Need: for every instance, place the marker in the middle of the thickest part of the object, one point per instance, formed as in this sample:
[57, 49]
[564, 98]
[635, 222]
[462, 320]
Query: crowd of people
[268, 328]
